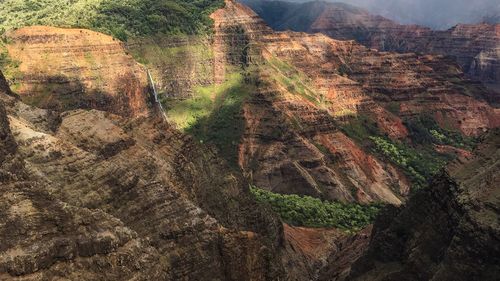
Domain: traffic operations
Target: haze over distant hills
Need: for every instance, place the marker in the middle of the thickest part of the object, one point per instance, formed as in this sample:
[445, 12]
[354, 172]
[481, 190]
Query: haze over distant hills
[437, 14]
[475, 47]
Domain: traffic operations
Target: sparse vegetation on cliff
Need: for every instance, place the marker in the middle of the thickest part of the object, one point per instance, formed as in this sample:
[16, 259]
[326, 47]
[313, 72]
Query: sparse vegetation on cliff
[418, 158]
[8, 66]
[419, 164]
[213, 115]
[425, 130]
[292, 79]
[313, 212]
[121, 19]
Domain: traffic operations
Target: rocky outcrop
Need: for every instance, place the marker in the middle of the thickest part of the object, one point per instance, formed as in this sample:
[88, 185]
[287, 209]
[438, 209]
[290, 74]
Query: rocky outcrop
[350, 77]
[63, 69]
[291, 147]
[313, 253]
[107, 197]
[7, 143]
[448, 231]
[290, 144]
[237, 36]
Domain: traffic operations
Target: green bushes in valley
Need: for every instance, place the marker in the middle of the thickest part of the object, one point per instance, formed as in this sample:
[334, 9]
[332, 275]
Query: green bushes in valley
[424, 130]
[313, 212]
[418, 158]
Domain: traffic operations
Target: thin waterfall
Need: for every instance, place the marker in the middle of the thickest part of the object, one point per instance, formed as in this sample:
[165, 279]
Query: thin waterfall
[155, 93]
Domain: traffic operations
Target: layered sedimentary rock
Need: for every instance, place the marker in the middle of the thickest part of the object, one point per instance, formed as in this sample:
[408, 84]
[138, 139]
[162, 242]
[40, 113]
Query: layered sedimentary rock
[316, 252]
[63, 69]
[448, 231]
[475, 47]
[350, 76]
[308, 85]
[105, 197]
[178, 65]
[237, 36]
[290, 145]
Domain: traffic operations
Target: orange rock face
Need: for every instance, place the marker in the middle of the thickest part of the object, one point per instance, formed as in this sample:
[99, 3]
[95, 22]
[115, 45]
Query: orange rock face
[309, 85]
[74, 68]
[475, 47]
[352, 77]
[292, 144]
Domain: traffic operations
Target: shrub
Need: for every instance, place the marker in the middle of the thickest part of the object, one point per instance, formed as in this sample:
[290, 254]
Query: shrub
[419, 164]
[312, 212]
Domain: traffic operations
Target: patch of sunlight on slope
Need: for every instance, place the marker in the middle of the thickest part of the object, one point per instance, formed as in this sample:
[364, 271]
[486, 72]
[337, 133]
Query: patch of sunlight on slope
[213, 115]
[186, 113]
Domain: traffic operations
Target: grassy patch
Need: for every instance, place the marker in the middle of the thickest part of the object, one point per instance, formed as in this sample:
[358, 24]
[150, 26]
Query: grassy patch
[425, 130]
[8, 66]
[213, 115]
[293, 80]
[312, 212]
[361, 128]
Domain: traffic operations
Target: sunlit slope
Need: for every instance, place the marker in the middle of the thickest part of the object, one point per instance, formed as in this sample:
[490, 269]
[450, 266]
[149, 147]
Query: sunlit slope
[119, 18]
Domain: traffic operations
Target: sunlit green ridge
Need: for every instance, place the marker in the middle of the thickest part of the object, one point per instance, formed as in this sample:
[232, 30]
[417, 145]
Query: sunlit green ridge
[121, 19]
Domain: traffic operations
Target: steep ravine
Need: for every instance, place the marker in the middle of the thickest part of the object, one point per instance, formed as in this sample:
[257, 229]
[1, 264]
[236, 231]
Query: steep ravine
[97, 187]
[449, 231]
[475, 47]
[306, 88]
[106, 197]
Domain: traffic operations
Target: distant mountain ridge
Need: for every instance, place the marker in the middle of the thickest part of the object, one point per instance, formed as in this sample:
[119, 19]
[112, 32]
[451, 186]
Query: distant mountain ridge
[476, 47]
[436, 14]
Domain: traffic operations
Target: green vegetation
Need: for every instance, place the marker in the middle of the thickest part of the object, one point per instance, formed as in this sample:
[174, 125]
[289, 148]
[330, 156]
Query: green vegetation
[419, 164]
[167, 61]
[418, 158]
[312, 212]
[293, 80]
[122, 19]
[360, 128]
[425, 130]
[8, 66]
[213, 115]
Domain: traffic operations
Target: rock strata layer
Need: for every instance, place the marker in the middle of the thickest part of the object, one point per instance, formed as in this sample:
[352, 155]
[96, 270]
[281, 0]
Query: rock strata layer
[448, 231]
[62, 69]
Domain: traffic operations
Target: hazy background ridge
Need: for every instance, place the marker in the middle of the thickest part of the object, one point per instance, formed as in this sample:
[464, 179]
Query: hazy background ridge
[438, 14]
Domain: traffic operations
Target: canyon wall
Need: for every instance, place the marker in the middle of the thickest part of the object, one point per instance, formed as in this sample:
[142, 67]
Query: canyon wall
[178, 64]
[289, 144]
[307, 87]
[448, 231]
[107, 197]
[475, 47]
[63, 69]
